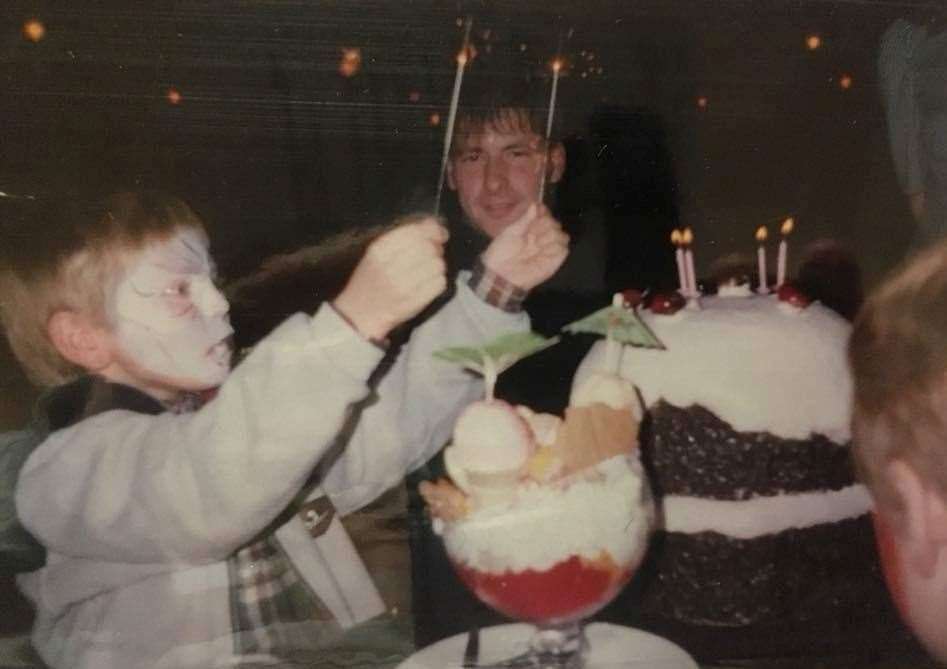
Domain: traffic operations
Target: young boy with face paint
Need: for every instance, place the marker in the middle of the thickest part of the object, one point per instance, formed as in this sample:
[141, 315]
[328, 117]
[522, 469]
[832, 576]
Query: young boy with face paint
[178, 537]
[898, 353]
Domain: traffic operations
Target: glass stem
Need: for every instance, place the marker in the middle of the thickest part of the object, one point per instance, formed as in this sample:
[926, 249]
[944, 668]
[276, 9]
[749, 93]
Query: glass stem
[562, 646]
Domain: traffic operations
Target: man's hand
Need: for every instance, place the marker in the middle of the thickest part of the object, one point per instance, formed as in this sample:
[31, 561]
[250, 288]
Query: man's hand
[401, 273]
[529, 251]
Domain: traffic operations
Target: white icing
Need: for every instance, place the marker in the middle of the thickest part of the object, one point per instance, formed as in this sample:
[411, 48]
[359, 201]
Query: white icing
[763, 515]
[608, 509]
[735, 290]
[754, 365]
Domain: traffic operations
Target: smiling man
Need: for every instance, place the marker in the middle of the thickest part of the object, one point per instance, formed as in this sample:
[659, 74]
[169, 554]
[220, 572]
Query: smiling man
[500, 164]
[497, 162]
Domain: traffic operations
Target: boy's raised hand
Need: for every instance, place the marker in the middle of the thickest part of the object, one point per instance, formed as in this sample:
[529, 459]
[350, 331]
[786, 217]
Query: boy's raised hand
[401, 272]
[529, 251]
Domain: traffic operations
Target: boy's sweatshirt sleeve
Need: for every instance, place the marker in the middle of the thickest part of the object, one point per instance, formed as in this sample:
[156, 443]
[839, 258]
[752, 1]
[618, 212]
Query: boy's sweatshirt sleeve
[412, 413]
[129, 487]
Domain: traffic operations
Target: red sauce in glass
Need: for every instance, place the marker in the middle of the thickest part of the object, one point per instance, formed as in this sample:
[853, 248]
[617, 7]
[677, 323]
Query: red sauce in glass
[571, 589]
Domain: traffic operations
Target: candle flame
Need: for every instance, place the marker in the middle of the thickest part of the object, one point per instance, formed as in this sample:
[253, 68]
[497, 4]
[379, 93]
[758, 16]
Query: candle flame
[787, 227]
[687, 237]
[761, 233]
[676, 237]
[556, 65]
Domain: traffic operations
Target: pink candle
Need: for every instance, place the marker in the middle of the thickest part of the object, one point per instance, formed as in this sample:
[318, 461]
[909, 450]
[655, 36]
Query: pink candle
[783, 249]
[682, 284]
[761, 234]
[690, 285]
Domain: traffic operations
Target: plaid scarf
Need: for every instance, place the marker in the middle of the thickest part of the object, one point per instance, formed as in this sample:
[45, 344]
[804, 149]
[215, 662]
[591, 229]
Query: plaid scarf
[270, 605]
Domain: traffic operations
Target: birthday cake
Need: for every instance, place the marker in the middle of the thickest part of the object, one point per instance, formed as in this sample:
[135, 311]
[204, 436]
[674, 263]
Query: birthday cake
[546, 519]
[746, 439]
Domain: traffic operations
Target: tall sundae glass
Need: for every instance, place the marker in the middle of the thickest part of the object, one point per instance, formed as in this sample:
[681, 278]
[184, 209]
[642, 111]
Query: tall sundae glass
[546, 518]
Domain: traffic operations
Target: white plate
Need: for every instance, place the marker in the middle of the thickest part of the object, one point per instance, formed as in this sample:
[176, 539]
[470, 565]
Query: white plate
[612, 646]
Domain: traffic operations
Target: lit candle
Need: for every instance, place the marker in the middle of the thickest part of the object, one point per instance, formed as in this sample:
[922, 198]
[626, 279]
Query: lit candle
[690, 278]
[785, 230]
[679, 258]
[761, 234]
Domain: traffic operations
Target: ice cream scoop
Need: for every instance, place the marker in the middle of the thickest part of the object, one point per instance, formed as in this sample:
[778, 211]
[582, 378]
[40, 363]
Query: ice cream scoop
[490, 447]
[492, 436]
[609, 389]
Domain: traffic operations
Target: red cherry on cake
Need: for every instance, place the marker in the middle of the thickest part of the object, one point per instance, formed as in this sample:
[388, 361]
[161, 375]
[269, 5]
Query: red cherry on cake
[666, 302]
[631, 298]
[791, 294]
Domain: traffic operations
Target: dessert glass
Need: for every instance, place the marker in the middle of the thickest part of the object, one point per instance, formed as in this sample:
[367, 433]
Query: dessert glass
[557, 554]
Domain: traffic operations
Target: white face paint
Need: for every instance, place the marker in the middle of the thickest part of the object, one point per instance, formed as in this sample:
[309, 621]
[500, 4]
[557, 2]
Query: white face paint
[170, 320]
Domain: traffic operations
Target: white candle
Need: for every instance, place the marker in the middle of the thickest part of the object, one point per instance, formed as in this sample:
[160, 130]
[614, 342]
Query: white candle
[783, 250]
[761, 234]
[682, 284]
[690, 277]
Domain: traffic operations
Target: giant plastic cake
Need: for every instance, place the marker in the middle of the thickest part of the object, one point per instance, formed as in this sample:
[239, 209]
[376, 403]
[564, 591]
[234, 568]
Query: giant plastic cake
[746, 437]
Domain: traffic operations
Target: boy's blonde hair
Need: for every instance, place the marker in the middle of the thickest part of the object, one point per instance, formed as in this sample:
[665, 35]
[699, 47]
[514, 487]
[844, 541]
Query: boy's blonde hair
[898, 355]
[60, 256]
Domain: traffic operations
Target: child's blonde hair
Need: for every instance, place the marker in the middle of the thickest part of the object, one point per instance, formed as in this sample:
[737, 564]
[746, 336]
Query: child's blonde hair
[898, 354]
[59, 257]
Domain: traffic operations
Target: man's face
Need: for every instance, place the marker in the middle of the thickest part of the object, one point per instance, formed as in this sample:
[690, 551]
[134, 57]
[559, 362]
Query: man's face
[171, 323]
[496, 173]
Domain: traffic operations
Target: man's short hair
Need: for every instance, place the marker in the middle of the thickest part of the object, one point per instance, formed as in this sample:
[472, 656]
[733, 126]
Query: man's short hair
[898, 355]
[507, 98]
[69, 255]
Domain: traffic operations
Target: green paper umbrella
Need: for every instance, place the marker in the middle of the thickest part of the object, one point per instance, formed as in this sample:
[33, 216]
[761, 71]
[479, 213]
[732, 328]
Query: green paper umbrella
[496, 356]
[619, 324]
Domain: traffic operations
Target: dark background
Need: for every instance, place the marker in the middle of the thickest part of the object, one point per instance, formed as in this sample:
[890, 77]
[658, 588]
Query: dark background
[275, 147]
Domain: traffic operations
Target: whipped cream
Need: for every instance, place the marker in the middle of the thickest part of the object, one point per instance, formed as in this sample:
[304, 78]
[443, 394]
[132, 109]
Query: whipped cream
[605, 508]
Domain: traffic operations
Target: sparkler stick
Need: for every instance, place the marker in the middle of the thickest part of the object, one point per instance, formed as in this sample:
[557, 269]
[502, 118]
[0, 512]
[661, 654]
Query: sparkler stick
[556, 67]
[455, 98]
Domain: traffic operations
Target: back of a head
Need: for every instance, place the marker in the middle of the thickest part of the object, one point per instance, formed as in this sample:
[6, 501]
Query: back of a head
[899, 362]
[67, 254]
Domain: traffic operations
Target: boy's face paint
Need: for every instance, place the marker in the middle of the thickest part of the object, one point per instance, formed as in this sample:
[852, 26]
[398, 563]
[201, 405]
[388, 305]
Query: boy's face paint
[171, 322]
